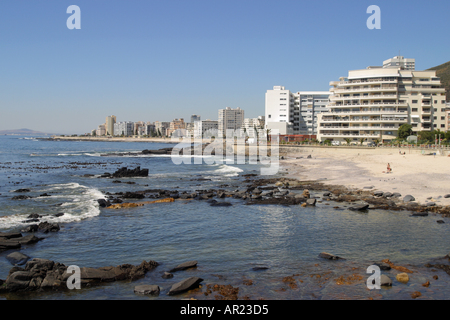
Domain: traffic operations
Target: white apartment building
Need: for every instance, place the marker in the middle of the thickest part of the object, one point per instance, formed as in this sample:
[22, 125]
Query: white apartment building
[400, 62]
[101, 131]
[205, 128]
[162, 127]
[125, 128]
[373, 103]
[294, 113]
[251, 124]
[230, 119]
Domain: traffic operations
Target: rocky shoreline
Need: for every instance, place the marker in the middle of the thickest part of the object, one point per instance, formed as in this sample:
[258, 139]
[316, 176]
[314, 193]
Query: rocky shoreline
[41, 274]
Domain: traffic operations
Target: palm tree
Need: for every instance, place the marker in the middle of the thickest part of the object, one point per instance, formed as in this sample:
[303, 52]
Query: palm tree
[377, 142]
[361, 141]
[347, 140]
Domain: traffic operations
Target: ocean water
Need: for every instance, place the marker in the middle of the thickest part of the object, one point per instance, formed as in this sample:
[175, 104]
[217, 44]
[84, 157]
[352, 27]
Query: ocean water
[227, 242]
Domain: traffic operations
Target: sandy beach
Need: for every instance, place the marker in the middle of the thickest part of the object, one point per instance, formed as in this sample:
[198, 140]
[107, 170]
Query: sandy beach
[421, 176]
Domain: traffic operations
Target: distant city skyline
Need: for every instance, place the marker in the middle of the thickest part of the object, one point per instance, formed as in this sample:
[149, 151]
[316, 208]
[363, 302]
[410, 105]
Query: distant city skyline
[161, 60]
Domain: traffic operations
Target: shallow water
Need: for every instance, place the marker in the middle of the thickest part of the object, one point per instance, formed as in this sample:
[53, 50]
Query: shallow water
[227, 242]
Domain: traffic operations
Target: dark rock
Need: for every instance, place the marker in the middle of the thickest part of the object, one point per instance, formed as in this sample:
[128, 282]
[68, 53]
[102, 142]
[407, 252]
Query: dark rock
[48, 227]
[22, 190]
[184, 266]
[360, 207]
[447, 196]
[328, 256]
[18, 280]
[311, 202]
[221, 204]
[34, 216]
[430, 204]
[30, 220]
[387, 195]
[9, 244]
[103, 203]
[21, 197]
[17, 258]
[396, 195]
[31, 228]
[45, 195]
[128, 173]
[260, 268]
[383, 266]
[419, 214]
[185, 285]
[409, 198]
[59, 214]
[133, 195]
[10, 235]
[378, 193]
[147, 289]
[327, 194]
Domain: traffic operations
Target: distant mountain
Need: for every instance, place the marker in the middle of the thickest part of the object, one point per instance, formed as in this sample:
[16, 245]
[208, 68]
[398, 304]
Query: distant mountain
[23, 132]
[443, 72]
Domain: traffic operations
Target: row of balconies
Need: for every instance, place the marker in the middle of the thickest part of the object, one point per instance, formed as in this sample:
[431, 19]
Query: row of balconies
[345, 120]
[342, 90]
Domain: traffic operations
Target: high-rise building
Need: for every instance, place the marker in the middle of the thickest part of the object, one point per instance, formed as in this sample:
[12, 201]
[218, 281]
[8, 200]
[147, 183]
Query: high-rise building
[372, 103]
[205, 128]
[230, 119]
[109, 125]
[294, 113]
[400, 62]
[124, 128]
[195, 117]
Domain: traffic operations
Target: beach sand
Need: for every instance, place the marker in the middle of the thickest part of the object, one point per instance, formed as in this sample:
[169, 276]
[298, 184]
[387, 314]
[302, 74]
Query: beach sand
[421, 176]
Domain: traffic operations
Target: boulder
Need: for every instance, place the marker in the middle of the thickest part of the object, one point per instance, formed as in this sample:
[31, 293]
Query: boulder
[18, 280]
[403, 278]
[21, 197]
[147, 289]
[430, 204]
[329, 256]
[221, 204]
[387, 195]
[184, 266]
[409, 198]
[184, 285]
[419, 214]
[167, 275]
[385, 281]
[30, 228]
[124, 172]
[21, 190]
[48, 227]
[17, 258]
[311, 202]
[447, 196]
[103, 203]
[359, 207]
[378, 193]
[306, 194]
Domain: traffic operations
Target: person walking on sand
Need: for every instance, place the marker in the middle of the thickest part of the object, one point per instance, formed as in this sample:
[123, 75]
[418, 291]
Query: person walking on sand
[389, 168]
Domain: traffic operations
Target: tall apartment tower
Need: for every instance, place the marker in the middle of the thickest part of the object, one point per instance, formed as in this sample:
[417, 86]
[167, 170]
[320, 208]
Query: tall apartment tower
[109, 125]
[195, 117]
[294, 113]
[373, 103]
[230, 119]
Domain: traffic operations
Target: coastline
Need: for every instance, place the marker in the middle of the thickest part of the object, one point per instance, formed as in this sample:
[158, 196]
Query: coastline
[423, 176]
[112, 139]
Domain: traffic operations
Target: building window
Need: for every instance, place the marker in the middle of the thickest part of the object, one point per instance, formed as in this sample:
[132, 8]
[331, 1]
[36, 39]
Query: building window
[415, 101]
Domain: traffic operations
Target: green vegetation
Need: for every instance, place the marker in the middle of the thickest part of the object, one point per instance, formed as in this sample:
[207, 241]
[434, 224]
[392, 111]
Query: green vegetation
[404, 131]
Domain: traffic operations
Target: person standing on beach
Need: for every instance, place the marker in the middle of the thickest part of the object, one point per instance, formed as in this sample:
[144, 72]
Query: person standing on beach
[389, 168]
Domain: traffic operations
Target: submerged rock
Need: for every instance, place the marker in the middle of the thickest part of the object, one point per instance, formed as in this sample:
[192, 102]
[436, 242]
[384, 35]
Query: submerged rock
[184, 266]
[185, 285]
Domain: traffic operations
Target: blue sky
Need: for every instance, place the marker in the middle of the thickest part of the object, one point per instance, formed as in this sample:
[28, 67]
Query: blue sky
[160, 60]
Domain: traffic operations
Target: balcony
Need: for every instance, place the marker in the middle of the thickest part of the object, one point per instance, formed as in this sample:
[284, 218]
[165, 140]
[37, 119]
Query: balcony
[349, 135]
[376, 120]
[364, 82]
[342, 90]
[360, 112]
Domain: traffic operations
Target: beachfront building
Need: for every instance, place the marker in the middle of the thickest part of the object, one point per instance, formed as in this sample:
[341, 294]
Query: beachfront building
[371, 104]
[178, 126]
[195, 117]
[294, 113]
[109, 125]
[161, 128]
[447, 117]
[230, 119]
[251, 125]
[205, 128]
[400, 62]
[101, 131]
[124, 128]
